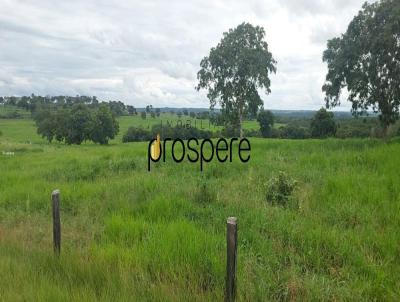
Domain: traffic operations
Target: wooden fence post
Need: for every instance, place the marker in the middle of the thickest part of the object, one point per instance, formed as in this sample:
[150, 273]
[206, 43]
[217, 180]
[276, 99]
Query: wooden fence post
[231, 256]
[55, 197]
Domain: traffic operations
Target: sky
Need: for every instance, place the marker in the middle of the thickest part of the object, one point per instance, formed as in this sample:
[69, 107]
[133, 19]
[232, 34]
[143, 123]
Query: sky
[148, 52]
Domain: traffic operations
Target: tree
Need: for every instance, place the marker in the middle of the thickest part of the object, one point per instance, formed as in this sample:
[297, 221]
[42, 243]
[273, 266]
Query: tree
[192, 114]
[78, 124]
[366, 60]
[143, 115]
[185, 112]
[104, 125]
[131, 109]
[158, 112]
[234, 70]
[323, 124]
[179, 114]
[266, 120]
[152, 114]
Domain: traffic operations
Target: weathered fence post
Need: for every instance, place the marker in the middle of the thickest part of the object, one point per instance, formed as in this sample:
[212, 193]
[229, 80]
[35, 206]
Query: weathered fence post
[55, 197]
[231, 255]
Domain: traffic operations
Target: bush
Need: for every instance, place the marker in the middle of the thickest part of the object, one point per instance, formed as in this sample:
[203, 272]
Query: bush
[139, 134]
[294, 132]
[134, 134]
[251, 133]
[279, 189]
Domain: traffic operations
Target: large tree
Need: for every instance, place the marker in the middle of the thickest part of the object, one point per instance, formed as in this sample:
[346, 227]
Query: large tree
[266, 120]
[323, 124]
[366, 61]
[234, 71]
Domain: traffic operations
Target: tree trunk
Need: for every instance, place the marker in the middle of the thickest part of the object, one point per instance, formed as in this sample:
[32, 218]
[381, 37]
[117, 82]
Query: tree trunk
[241, 123]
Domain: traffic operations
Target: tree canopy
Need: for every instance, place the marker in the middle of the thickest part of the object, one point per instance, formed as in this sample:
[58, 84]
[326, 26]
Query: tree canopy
[234, 71]
[366, 61]
[323, 124]
[77, 124]
[266, 120]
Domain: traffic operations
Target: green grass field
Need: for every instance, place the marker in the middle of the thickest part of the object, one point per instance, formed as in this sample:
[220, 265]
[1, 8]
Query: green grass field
[133, 235]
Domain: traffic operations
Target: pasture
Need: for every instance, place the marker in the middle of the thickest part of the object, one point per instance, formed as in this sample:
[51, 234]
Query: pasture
[129, 234]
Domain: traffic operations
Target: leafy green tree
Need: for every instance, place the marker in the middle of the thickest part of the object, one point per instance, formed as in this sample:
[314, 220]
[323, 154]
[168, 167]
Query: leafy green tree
[104, 126]
[185, 112]
[152, 114]
[158, 112]
[179, 114]
[78, 124]
[266, 120]
[323, 124]
[234, 71]
[143, 115]
[366, 61]
[192, 114]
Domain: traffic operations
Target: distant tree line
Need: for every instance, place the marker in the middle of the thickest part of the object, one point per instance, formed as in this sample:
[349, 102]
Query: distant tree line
[35, 103]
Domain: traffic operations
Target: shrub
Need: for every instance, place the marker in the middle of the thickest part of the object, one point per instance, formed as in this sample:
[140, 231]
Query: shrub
[134, 134]
[279, 189]
[294, 132]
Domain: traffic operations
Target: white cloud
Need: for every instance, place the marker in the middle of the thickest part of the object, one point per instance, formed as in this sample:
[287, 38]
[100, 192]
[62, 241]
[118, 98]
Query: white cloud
[148, 52]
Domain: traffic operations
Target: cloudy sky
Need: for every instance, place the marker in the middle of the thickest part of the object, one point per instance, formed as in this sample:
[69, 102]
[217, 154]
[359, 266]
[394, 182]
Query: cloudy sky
[148, 52]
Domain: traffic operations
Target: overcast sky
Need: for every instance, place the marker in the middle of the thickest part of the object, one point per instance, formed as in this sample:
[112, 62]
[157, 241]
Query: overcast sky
[148, 52]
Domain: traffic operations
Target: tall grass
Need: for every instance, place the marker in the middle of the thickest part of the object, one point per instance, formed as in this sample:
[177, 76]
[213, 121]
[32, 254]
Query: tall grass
[129, 234]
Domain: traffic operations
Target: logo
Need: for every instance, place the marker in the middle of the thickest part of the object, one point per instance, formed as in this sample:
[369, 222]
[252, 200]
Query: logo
[198, 152]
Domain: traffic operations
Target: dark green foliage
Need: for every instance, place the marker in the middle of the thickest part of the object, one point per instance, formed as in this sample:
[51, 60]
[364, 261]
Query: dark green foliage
[131, 110]
[294, 132]
[235, 69]
[179, 114]
[134, 134]
[78, 124]
[251, 133]
[365, 60]
[117, 108]
[181, 132]
[104, 126]
[323, 124]
[143, 115]
[185, 112]
[356, 127]
[152, 114]
[230, 131]
[266, 120]
[217, 119]
[192, 114]
[279, 189]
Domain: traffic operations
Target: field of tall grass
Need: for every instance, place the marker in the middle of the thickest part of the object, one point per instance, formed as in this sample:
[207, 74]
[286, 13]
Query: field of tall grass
[133, 235]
